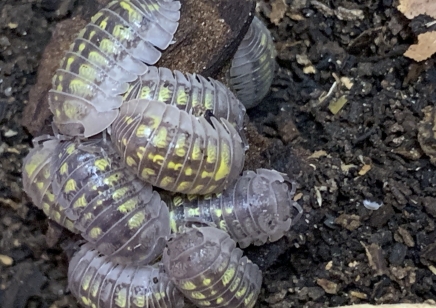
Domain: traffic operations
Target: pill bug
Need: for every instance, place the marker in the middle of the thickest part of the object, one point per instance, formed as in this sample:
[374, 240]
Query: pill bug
[190, 92]
[253, 66]
[97, 282]
[93, 194]
[208, 269]
[107, 54]
[256, 208]
[176, 151]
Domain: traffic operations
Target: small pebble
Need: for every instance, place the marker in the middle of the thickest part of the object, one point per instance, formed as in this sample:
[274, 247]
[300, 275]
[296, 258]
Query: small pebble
[10, 133]
[8, 91]
[6, 260]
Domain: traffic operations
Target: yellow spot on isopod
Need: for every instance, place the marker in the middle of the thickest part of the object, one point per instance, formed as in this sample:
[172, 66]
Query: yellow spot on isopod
[70, 186]
[64, 169]
[241, 291]
[80, 202]
[228, 275]
[187, 285]
[181, 97]
[188, 171]
[95, 232]
[128, 206]
[235, 284]
[102, 164]
[121, 297]
[136, 221]
[248, 298]
[119, 193]
[140, 152]
[134, 17]
[85, 282]
[142, 131]
[166, 181]
[164, 94]
[160, 138]
[197, 295]
[183, 186]
[40, 185]
[145, 92]
[130, 161]
[174, 166]
[147, 172]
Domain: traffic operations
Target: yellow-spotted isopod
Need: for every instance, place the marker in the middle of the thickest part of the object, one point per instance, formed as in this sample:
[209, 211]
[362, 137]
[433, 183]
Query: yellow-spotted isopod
[86, 188]
[256, 208]
[98, 282]
[208, 269]
[176, 151]
[107, 54]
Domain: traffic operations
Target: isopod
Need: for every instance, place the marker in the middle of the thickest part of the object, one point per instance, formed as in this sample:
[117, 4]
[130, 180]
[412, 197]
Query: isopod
[107, 54]
[208, 269]
[86, 188]
[256, 208]
[176, 151]
[253, 66]
[97, 282]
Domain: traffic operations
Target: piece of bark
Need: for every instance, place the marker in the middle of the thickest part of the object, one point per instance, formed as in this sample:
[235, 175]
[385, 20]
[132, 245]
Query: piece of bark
[208, 35]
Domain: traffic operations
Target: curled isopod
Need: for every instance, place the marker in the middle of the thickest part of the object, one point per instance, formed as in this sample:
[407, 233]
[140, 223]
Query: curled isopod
[96, 281]
[176, 151]
[107, 54]
[86, 188]
[253, 66]
[256, 208]
[209, 270]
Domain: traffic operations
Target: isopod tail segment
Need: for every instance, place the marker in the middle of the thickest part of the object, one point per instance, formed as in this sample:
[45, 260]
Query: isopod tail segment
[176, 151]
[257, 208]
[111, 51]
[210, 271]
[96, 280]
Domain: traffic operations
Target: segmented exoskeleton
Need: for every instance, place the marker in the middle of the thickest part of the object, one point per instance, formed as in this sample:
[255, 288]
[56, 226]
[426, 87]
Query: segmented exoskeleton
[253, 66]
[108, 53]
[190, 92]
[97, 282]
[86, 188]
[176, 151]
[37, 176]
[256, 208]
[207, 268]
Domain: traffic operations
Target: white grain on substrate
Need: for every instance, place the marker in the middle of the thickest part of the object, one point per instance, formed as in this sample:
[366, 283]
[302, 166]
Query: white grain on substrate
[372, 205]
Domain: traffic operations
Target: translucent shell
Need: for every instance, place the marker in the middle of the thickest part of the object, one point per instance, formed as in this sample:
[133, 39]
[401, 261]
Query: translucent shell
[37, 176]
[253, 66]
[97, 281]
[90, 192]
[257, 208]
[207, 268]
[107, 54]
[189, 92]
[174, 150]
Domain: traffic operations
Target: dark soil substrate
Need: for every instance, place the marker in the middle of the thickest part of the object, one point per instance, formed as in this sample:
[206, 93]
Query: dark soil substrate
[340, 252]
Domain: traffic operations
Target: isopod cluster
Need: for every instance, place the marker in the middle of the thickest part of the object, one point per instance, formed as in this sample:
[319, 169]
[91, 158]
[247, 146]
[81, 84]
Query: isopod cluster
[144, 150]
